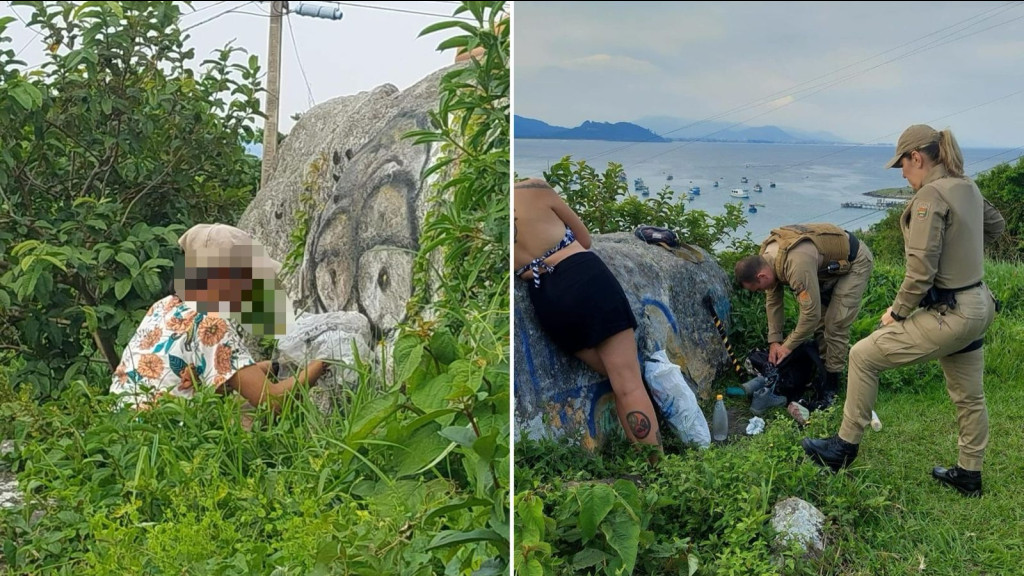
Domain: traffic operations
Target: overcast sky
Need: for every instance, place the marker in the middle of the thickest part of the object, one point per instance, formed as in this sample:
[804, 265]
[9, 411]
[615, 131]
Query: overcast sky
[942, 63]
[368, 47]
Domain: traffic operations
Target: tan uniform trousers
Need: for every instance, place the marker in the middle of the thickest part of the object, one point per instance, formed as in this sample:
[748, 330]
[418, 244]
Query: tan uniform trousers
[833, 333]
[928, 335]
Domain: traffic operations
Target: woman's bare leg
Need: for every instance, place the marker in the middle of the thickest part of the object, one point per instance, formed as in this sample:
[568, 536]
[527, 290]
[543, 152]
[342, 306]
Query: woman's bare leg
[592, 359]
[633, 404]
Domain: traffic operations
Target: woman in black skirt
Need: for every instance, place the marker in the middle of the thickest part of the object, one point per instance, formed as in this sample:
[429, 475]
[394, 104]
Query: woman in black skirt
[578, 302]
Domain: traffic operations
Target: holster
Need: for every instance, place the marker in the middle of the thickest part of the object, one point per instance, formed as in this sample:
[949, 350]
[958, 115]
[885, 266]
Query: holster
[938, 297]
[838, 267]
[943, 297]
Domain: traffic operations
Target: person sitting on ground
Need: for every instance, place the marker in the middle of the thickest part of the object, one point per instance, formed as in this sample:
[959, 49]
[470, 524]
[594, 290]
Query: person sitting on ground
[579, 303]
[191, 337]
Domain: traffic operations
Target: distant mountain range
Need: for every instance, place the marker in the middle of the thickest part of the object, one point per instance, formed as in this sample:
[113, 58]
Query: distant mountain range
[617, 132]
[711, 131]
[669, 128]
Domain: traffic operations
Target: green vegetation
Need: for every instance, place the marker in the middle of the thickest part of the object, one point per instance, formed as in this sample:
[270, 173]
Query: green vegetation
[707, 512]
[902, 192]
[409, 478]
[107, 153]
[603, 201]
[1003, 186]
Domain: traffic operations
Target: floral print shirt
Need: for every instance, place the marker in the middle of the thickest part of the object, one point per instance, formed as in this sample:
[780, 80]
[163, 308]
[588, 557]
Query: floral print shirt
[170, 338]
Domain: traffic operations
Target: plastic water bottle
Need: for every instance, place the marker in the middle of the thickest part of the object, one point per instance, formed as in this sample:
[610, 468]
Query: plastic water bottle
[876, 424]
[719, 421]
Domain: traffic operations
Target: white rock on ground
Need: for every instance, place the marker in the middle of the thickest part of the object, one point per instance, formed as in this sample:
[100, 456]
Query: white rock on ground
[795, 519]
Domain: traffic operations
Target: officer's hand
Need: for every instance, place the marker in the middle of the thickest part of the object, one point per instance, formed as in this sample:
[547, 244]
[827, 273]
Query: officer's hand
[887, 317]
[776, 352]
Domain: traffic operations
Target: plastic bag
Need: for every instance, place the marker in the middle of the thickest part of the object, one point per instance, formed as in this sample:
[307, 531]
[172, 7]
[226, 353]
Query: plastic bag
[755, 426]
[676, 400]
[327, 336]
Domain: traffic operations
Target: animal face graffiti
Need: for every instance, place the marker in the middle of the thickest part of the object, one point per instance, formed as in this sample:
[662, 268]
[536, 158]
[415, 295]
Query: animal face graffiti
[361, 247]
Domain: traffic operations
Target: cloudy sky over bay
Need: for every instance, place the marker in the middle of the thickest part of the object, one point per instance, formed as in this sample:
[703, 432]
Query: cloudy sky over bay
[860, 70]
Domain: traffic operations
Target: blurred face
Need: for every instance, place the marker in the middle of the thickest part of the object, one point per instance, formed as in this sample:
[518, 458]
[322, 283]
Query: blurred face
[214, 285]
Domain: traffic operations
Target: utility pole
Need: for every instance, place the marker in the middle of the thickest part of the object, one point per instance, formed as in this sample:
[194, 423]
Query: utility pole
[277, 7]
[270, 110]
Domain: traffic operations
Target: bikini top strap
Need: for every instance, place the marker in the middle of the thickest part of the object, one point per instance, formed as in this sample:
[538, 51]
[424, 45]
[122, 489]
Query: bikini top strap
[537, 263]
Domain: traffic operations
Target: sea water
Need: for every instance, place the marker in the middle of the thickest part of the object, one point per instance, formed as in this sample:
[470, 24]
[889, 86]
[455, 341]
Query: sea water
[812, 181]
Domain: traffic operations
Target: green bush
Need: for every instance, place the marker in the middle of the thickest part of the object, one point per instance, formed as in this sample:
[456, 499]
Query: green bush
[108, 152]
[408, 478]
[605, 205]
[1004, 188]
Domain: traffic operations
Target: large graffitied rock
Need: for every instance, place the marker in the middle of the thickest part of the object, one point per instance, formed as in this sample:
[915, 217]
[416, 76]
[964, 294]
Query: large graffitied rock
[368, 198]
[558, 396]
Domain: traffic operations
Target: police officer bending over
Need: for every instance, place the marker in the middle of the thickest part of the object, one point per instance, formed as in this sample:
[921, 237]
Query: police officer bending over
[942, 308]
[828, 270]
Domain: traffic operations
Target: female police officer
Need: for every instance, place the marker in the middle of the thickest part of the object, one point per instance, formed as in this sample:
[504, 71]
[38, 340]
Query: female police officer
[941, 310]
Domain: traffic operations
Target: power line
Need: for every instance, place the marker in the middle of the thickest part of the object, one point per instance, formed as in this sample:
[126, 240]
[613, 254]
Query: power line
[22, 49]
[824, 86]
[400, 10]
[295, 46]
[206, 6]
[228, 11]
[933, 121]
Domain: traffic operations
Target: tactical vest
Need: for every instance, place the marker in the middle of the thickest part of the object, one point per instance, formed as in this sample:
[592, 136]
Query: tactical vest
[830, 240]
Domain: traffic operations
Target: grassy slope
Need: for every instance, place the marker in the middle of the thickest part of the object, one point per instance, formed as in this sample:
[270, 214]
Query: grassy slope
[886, 515]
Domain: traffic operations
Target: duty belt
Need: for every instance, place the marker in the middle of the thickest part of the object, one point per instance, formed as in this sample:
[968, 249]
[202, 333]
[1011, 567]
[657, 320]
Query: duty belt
[945, 296]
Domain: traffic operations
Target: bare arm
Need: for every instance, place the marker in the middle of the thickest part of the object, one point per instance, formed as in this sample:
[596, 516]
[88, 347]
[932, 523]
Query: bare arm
[563, 211]
[253, 383]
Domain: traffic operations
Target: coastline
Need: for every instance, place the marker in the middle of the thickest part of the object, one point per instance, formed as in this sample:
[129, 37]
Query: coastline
[902, 192]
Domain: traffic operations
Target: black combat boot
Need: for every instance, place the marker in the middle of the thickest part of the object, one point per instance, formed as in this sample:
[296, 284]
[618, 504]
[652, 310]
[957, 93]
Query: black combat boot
[967, 482]
[833, 452]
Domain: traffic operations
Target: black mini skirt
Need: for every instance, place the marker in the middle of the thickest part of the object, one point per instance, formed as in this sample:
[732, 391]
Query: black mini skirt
[581, 304]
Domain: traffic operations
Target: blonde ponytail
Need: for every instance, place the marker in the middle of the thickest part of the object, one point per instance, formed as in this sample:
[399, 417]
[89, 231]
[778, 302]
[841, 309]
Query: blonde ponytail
[949, 154]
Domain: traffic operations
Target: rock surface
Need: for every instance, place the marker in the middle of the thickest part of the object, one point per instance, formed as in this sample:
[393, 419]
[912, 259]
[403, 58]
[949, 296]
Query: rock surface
[558, 396]
[368, 200]
[796, 520]
[10, 496]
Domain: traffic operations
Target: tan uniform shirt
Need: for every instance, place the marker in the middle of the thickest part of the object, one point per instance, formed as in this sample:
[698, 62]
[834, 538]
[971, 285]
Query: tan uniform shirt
[945, 227]
[800, 272]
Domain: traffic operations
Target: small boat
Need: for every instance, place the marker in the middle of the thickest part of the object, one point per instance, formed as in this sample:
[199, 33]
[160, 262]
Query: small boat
[715, 184]
[743, 180]
[622, 177]
[695, 190]
[757, 188]
[645, 192]
[669, 177]
[771, 184]
[739, 193]
[752, 207]
[638, 185]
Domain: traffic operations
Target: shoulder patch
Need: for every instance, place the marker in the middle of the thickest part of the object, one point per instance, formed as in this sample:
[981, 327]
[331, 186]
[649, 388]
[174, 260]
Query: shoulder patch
[804, 297]
[922, 209]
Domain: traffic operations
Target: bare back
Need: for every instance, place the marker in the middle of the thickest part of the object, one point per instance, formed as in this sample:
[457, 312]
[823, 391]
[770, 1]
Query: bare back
[540, 219]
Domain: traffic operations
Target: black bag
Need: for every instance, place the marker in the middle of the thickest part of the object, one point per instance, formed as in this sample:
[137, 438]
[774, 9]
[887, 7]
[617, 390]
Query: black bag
[803, 367]
[655, 235]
